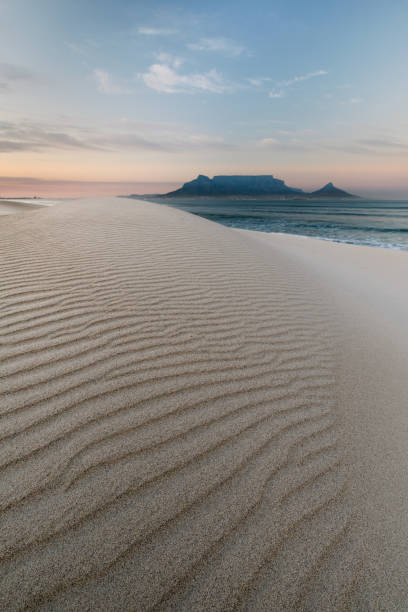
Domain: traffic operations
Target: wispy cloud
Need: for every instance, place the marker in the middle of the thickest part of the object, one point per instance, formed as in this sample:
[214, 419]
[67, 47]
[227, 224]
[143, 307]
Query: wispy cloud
[106, 83]
[38, 137]
[148, 31]
[303, 77]
[283, 85]
[126, 140]
[258, 81]
[171, 60]
[379, 142]
[166, 79]
[223, 45]
[121, 136]
[169, 140]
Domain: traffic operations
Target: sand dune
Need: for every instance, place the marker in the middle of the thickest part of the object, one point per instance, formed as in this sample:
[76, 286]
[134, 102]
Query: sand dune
[175, 424]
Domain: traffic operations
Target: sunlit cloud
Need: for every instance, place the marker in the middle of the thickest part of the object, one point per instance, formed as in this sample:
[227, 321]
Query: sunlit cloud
[165, 79]
[223, 45]
[276, 94]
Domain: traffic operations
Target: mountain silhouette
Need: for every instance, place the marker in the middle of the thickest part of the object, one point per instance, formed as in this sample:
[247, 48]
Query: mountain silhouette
[235, 185]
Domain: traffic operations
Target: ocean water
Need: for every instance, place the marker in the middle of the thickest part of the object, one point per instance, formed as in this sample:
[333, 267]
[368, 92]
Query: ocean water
[376, 223]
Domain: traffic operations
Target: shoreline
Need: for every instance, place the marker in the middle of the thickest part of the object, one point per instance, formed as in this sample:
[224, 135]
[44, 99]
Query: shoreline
[318, 237]
[199, 417]
[322, 238]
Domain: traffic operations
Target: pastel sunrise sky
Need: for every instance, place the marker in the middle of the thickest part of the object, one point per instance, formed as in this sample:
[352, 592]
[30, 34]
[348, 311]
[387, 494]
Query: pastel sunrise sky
[125, 96]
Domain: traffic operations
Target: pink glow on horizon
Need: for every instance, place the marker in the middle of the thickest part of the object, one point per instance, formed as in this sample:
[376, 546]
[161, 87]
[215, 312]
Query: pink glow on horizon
[14, 188]
[382, 181]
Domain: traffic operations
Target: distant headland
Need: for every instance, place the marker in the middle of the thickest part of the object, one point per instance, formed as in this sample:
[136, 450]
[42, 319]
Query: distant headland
[255, 186]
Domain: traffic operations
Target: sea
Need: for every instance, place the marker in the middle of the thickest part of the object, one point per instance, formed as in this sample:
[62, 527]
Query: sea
[376, 223]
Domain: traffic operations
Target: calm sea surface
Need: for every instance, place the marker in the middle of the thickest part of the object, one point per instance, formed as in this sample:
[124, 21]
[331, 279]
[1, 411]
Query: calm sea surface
[369, 222]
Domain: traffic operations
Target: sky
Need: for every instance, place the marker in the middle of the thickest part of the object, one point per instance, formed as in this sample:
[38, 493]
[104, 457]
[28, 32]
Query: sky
[124, 96]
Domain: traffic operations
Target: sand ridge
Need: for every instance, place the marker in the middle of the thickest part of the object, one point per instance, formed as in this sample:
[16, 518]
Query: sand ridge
[170, 430]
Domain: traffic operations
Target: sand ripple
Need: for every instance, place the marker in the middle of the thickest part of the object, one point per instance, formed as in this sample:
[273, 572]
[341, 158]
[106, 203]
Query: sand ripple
[169, 433]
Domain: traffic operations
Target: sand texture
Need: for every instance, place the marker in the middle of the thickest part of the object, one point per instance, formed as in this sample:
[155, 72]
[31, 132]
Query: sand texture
[9, 207]
[191, 418]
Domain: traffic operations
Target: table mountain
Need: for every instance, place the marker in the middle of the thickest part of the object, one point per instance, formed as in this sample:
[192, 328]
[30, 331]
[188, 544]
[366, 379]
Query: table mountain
[235, 185]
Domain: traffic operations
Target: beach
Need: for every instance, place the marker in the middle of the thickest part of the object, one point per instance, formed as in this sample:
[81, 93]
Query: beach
[196, 417]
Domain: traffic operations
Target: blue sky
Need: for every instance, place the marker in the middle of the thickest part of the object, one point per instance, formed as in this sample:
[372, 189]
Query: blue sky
[103, 95]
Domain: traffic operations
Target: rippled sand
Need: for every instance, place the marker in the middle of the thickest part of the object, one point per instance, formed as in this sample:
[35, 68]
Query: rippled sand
[175, 420]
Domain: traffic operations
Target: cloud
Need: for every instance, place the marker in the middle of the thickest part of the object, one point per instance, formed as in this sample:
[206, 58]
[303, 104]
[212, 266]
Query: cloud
[303, 77]
[170, 140]
[264, 143]
[125, 140]
[202, 141]
[258, 81]
[147, 31]
[37, 137]
[120, 136]
[106, 84]
[280, 93]
[378, 147]
[276, 94]
[165, 79]
[392, 144]
[172, 60]
[223, 45]
[8, 146]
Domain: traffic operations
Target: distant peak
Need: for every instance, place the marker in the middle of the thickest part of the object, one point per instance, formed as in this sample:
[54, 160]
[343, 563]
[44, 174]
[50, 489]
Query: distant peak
[330, 190]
